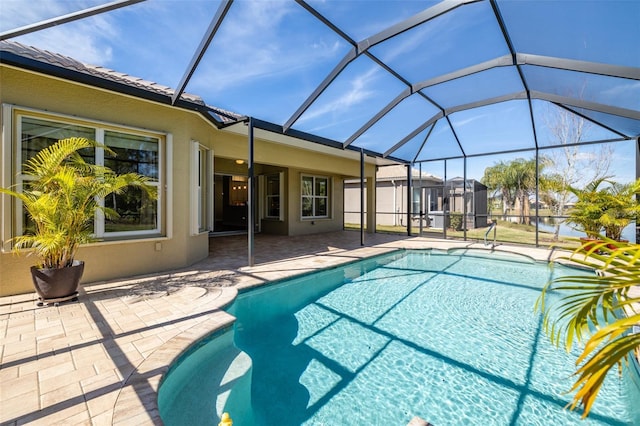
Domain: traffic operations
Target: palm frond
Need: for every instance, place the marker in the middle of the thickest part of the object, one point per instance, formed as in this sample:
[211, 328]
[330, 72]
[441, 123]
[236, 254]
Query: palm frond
[597, 310]
[616, 349]
[62, 197]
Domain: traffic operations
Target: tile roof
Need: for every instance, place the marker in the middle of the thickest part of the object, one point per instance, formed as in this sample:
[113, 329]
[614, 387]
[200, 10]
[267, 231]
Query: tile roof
[70, 64]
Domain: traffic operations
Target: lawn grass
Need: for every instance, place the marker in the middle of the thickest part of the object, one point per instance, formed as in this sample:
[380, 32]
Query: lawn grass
[516, 233]
[506, 232]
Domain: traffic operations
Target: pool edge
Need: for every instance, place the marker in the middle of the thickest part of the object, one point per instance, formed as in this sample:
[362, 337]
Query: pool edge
[137, 400]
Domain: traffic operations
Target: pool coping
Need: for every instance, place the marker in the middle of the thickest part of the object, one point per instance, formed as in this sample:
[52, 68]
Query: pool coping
[142, 407]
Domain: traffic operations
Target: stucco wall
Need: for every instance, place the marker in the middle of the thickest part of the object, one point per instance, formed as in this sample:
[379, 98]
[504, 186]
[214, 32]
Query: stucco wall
[352, 203]
[299, 226]
[271, 155]
[392, 203]
[176, 248]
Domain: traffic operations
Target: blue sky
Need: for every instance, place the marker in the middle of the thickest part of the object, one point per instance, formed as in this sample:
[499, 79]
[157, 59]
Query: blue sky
[269, 56]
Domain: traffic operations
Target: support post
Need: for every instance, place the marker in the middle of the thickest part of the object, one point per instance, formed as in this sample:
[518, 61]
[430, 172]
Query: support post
[251, 199]
[421, 200]
[537, 196]
[409, 198]
[446, 195]
[464, 198]
[638, 195]
[362, 201]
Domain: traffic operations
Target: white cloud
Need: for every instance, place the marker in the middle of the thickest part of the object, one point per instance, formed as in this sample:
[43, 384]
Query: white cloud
[16, 13]
[358, 91]
[468, 120]
[83, 39]
[621, 90]
[436, 31]
[264, 49]
[408, 43]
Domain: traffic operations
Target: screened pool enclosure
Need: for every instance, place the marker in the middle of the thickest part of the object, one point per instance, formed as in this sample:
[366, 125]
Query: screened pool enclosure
[457, 89]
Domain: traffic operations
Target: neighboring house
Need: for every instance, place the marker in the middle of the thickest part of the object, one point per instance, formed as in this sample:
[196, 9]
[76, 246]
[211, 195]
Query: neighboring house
[475, 197]
[429, 195]
[195, 154]
[391, 195]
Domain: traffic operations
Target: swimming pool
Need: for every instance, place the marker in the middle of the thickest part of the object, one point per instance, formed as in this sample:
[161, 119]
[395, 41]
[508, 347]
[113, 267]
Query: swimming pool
[450, 337]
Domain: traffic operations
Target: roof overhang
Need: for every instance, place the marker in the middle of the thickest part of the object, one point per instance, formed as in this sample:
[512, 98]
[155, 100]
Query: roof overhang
[273, 133]
[223, 120]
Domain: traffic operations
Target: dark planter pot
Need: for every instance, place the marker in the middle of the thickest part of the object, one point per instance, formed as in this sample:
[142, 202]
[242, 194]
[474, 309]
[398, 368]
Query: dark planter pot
[613, 247]
[589, 243]
[57, 284]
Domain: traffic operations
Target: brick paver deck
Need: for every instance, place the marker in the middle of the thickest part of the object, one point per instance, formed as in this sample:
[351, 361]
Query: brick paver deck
[99, 361]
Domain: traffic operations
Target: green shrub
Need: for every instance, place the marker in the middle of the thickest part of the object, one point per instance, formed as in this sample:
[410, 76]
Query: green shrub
[455, 221]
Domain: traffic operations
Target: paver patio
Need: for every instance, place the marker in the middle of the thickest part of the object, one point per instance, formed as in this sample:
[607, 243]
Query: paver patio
[99, 361]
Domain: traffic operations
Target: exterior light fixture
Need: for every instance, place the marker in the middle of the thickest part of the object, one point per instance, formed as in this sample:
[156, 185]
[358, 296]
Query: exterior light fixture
[239, 161]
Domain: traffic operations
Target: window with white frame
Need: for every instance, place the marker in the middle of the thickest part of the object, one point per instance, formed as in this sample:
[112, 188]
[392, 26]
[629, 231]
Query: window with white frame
[315, 197]
[134, 152]
[202, 188]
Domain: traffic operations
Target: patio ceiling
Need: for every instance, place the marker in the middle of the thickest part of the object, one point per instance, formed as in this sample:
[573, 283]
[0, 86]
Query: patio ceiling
[407, 80]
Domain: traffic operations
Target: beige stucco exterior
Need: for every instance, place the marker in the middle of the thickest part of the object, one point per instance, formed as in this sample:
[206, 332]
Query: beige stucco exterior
[177, 246]
[391, 195]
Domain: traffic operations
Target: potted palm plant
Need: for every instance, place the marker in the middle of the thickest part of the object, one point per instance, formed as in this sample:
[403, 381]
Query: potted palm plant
[61, 196]
[620, 207]
[588, 210]
[611, 208]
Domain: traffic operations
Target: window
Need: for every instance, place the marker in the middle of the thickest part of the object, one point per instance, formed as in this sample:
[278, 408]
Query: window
[202, 189]
[38, 134]
[315, 197]
[416, 201]
[273, 193]
[134, 152]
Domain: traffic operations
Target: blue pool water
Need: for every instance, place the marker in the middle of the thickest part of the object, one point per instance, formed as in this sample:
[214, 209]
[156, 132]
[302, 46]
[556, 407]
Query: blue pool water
[451, 338]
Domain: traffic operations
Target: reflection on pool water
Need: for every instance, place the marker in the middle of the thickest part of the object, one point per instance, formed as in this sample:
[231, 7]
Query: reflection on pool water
[451, 338]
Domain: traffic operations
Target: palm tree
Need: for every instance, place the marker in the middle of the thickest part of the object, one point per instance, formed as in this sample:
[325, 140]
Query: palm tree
[612, 208]
[620, 207]
[521, 174]
[515, 180]
[597, 310]
[589, 208]
[494, 179]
